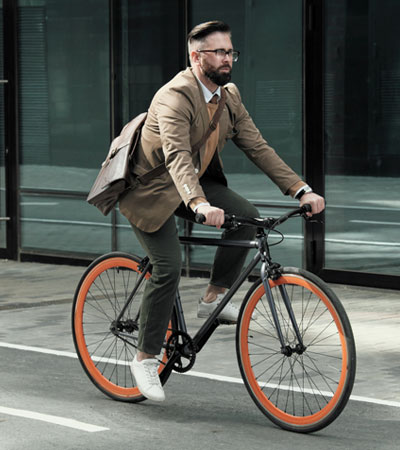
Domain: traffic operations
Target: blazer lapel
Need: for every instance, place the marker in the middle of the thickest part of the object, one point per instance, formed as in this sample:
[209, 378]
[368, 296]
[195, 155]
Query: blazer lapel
[224, 123]
[200, 105]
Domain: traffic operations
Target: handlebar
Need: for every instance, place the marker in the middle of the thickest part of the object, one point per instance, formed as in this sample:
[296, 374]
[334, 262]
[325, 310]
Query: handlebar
[232, 221]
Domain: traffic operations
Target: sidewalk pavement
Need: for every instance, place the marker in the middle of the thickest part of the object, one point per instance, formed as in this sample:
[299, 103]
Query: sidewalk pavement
[374, 315]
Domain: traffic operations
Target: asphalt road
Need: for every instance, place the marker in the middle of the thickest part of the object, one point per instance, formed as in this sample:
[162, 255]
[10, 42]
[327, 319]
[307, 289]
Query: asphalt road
[198, 414]
[40, 375]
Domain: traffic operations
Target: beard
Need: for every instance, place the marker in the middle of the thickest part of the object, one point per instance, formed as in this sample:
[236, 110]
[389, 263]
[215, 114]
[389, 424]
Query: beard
[218, 78]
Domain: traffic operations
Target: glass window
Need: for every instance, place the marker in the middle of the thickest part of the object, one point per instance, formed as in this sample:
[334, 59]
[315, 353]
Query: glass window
[63, 225]
[362, 135]
[151, 52]
[64, 92]
[268, 35]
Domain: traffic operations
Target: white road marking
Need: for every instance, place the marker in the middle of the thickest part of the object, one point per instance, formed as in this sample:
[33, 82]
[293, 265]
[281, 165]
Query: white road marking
[71, 423]
[192, 373]
[63, 421]
[356, 398]
[38, 350]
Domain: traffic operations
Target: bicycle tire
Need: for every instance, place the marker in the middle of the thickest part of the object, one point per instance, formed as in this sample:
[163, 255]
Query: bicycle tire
[102, 291]
[302, 392]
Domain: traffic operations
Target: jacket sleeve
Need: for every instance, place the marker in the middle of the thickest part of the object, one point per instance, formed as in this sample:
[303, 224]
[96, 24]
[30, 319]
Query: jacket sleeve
[249, 139]
[175, 114]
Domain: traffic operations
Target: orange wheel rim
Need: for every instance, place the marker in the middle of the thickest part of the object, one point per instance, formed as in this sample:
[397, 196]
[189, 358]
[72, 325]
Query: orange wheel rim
[124, 392]
[278, 413]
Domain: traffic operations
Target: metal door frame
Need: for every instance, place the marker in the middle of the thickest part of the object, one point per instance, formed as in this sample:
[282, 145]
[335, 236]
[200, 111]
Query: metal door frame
[10, 82]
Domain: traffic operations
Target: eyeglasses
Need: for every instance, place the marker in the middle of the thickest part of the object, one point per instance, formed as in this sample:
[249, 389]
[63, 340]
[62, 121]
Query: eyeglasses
[220, 52]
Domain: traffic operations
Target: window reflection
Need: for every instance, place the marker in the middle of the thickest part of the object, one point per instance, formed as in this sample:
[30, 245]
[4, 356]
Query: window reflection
[362, 135]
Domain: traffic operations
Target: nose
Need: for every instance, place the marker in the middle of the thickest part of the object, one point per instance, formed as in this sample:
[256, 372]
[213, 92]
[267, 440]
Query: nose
[227, 57]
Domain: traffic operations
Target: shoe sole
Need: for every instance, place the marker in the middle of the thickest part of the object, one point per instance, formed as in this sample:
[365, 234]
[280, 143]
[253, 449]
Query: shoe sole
[221, 319]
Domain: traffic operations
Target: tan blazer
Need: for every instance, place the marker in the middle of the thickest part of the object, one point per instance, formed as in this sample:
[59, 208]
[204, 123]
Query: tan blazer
[177, 120]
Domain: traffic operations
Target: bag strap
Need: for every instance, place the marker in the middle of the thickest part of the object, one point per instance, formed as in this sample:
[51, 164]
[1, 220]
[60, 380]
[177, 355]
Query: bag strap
[144, 179]
[213, 123]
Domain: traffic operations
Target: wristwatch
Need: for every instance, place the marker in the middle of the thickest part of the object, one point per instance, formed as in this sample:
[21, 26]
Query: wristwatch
[303, 190]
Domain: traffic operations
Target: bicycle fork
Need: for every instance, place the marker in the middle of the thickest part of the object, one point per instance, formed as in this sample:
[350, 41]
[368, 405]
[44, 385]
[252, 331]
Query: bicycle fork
[286, 349]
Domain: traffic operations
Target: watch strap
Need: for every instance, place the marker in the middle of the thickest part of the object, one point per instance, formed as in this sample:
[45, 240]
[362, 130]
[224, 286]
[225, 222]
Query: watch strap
[303, 190]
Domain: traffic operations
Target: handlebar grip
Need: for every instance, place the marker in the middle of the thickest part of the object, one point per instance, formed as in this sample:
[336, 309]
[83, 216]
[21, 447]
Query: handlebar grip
[306, 208]
[200, 218]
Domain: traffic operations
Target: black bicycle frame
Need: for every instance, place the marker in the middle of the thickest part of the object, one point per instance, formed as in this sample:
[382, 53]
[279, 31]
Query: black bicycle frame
[209, 326]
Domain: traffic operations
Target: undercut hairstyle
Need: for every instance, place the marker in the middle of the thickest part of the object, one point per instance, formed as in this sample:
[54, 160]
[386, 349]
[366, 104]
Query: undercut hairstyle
[200, 32]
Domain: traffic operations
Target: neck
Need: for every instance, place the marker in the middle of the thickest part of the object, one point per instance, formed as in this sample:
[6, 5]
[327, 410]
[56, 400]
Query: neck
[205, 80]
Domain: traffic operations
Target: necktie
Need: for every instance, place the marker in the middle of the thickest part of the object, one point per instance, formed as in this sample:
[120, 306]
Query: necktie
[214, 99]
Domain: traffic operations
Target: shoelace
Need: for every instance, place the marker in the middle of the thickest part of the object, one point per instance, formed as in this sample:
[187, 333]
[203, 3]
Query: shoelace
[151, 369]
[231, 306]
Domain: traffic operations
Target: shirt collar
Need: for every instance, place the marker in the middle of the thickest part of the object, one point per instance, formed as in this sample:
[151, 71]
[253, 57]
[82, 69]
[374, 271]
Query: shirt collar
[208, 95]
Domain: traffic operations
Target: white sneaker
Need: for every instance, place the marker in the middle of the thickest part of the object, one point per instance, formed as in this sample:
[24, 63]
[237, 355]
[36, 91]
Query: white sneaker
[230, 313]
[147, 379]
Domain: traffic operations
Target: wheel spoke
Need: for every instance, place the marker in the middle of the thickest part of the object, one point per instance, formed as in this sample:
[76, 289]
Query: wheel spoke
[300, 382]
[106, 347]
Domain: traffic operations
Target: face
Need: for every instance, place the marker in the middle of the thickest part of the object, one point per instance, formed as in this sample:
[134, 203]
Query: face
[217, 69]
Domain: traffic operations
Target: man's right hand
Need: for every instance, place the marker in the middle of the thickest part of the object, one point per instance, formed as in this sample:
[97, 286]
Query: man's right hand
[214, 216]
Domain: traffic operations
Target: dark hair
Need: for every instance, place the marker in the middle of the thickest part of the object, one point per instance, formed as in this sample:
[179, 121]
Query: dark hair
[201, 31]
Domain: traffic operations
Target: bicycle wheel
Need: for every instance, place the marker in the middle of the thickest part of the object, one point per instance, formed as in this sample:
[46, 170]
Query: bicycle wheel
[302, 392]
[106, 348]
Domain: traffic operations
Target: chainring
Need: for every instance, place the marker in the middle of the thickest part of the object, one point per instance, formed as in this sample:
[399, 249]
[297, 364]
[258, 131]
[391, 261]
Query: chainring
[180, 346]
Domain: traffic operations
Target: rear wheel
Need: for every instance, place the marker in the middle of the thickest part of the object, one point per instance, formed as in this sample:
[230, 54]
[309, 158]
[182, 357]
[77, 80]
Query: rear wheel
[300, 390]
[105, 346]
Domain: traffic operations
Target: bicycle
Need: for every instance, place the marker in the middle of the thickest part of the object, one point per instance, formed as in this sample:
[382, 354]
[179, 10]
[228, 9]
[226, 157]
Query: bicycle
[294, 341]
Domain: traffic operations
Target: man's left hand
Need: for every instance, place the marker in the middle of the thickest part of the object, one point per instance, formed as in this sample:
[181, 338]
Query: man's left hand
[316, 201]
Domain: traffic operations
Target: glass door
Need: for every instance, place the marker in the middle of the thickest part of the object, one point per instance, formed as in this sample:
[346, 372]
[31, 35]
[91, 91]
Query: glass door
[362, 163]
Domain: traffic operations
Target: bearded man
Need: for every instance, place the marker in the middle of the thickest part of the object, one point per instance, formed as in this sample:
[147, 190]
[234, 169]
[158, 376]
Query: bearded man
[194, 182]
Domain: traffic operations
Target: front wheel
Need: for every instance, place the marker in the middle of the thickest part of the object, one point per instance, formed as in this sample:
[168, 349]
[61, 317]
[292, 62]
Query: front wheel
[105, 345]
[306, 390]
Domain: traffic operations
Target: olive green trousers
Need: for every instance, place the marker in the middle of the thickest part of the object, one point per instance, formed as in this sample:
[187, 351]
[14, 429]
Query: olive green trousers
[165, 253]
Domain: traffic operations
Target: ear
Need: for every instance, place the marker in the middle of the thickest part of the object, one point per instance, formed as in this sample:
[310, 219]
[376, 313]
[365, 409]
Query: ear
[194, 57]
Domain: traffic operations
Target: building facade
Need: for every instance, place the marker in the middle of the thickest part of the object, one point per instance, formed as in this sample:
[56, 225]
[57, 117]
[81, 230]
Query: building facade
[319, 77]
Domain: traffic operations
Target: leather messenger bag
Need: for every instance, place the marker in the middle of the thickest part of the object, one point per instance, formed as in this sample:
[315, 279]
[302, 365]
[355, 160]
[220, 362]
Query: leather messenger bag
[115, 175]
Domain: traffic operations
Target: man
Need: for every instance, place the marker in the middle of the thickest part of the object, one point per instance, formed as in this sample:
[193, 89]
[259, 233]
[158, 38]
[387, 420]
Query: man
[178, 117]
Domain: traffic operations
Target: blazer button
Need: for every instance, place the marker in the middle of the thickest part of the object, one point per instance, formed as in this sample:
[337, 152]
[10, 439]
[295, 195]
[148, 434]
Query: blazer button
[196, 170]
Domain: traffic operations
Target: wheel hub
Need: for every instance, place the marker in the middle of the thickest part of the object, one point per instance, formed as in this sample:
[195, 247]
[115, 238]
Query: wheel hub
[129, 326]
[288, 350]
